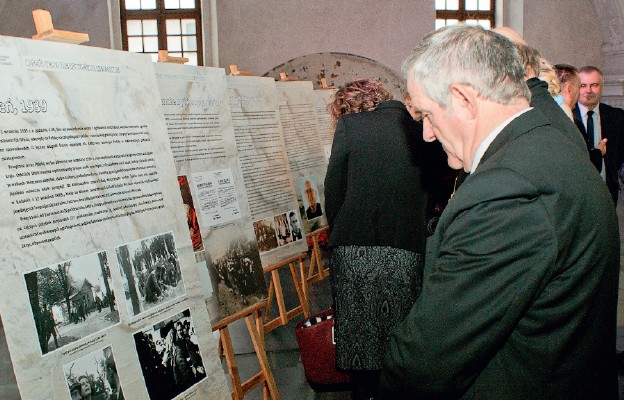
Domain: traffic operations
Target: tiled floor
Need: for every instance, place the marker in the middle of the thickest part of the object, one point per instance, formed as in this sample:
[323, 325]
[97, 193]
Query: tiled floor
[282, 349]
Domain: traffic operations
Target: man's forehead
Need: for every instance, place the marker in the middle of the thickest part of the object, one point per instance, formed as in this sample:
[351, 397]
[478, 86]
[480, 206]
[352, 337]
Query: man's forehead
[591, 76]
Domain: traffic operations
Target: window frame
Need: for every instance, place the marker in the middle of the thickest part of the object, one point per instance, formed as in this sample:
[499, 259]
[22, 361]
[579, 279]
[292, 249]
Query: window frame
[461, 14]
[160, 14]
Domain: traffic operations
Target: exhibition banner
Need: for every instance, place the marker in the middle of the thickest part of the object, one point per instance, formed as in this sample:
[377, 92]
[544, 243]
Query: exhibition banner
[100, 293]
[266, 170]
[307, 161]
[322, 99]
[196, 107]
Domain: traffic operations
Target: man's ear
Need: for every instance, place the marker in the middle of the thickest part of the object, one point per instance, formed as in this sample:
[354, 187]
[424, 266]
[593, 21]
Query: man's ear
[464, 99]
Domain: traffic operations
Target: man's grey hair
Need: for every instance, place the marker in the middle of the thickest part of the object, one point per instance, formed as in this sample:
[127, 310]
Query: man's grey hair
[468, 55]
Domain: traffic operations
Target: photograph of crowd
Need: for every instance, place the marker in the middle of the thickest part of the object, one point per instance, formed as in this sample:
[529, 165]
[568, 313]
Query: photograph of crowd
[94, 377]
[265, 235]
[71, 300]
[150, 272]
[169, 356]
[191, 215]
[239, 275]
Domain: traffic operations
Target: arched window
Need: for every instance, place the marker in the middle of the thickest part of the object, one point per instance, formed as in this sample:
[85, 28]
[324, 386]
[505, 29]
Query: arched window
[173, 25]
[449, 12]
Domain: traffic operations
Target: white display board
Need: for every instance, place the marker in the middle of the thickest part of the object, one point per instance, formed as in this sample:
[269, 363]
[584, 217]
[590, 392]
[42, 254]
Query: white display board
[307, 161]
[99, 280]
[266, 171]
[196, 106]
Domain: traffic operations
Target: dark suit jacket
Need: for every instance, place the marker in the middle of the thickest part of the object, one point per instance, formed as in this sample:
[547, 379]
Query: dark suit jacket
[544, 102]
[373, 193]
[520, 285]
[612, 128]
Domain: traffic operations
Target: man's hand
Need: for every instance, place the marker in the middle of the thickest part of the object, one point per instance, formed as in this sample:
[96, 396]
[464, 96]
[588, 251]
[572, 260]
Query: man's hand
[602, 146]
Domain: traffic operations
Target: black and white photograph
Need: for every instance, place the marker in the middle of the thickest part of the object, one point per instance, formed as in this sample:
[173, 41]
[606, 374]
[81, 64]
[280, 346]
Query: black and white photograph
[236, 271]
[265, 234]
[296, 232]
[282, 229]
[169, 356]
[71, 299]
[150, 272]
[94, 377]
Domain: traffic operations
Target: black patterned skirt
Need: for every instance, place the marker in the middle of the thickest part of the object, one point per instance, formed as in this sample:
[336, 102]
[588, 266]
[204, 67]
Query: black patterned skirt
[374, 288]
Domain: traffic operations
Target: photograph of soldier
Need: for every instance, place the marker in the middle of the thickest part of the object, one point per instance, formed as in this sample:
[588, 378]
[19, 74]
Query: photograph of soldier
[239, 275]
[89, 377]
[265, 235]
[310, 198]
[64, 300]
[170, 357]
[191, 215]
[150, 272]
[282, 229]
[295, 226]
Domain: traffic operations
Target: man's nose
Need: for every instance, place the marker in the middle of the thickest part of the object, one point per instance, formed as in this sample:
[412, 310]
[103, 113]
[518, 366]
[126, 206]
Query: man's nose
[428, 135]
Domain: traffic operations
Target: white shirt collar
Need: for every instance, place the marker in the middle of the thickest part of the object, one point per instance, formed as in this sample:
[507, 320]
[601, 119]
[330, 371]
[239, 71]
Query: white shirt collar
[584, 110]
[490, 138]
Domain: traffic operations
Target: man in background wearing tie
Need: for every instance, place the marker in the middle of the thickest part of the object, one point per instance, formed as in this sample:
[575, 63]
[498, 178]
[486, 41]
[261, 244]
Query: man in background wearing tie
[600, 124]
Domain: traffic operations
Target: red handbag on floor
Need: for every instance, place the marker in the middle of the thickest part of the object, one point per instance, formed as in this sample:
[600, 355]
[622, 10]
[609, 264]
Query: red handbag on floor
[318, 352]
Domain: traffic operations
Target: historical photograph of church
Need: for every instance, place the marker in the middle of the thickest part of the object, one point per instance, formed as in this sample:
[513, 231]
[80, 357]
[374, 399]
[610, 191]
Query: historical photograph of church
[170, 357]
[71, 299]
[150, 272]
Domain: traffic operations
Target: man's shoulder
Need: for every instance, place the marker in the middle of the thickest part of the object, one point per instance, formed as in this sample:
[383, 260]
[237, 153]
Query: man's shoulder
[611, 110]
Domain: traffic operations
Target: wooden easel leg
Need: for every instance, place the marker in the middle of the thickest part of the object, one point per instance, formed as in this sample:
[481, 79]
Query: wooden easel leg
[258, 342]
[228, 351]
[270, 295]
[279, 295]
[303, 298]
[319, 258]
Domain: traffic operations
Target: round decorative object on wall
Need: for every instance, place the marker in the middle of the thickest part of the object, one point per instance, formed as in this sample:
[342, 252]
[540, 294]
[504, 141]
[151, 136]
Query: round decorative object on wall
[337, 69]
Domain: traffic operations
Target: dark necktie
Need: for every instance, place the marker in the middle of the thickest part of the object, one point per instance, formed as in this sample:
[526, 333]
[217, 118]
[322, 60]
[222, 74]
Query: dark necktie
[590, 129]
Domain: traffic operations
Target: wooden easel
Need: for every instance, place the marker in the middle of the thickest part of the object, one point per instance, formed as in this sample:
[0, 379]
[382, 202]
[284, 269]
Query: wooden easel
[253, 319]
[46, 31]
[316, 270]
[163, 57]
[275, 291]
[324, 84]
[284, 78]
[235, 71]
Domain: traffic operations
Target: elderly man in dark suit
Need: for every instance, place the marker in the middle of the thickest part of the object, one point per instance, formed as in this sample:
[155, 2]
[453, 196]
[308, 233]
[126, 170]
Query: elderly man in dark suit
[602, 126]
[520, 285]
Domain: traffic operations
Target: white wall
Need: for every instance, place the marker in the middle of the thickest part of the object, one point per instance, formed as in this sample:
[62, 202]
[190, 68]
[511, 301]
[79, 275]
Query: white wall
[564, 31]
[258, 35]
[84, 16]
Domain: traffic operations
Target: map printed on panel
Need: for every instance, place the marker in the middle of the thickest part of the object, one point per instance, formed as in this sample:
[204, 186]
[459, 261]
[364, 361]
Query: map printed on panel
[265, 167]
[95, 248]
[197, 113]
[305, 152]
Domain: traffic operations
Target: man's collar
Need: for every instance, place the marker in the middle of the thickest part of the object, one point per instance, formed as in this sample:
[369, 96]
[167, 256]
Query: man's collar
[490, 138]
[583, 110]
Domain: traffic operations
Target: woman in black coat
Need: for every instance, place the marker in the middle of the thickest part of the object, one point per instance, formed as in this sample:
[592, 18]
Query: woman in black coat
[375, 207]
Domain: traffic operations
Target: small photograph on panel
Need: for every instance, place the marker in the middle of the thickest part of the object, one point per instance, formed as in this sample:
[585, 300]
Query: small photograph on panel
[150, 272]
[296, 232]
[238, 273]
[191, 215]
[94, 376]
[282, 229]
[169, 356]
[71, 299]
[309, 194]
[265, 234]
